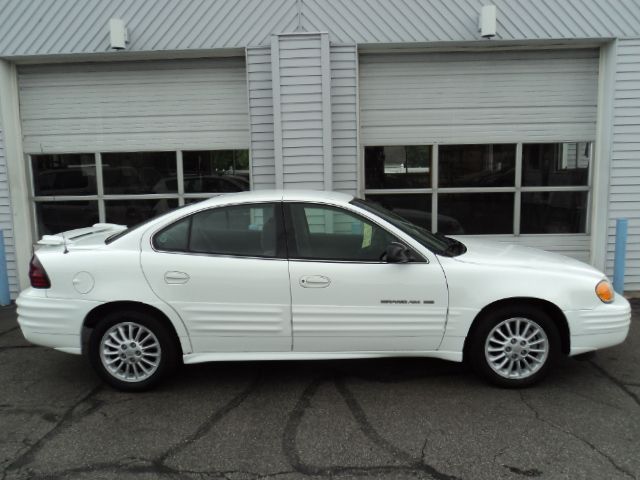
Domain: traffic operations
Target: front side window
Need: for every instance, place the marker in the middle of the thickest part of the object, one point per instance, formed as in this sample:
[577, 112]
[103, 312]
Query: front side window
[321, 232]
[239, 230]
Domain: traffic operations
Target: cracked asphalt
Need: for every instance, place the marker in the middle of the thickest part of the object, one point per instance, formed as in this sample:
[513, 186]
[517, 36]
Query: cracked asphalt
[397, 418]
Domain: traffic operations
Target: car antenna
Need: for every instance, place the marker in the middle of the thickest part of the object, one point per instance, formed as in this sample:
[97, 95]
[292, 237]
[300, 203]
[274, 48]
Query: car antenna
[64, 242]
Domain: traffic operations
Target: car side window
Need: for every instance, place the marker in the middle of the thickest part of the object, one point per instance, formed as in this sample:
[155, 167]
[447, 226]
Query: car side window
[323, 232]
[239, 230]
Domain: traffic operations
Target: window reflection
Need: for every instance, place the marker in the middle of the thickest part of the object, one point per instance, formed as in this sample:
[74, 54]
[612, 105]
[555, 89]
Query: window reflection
[477, 213]
[139, 172]
[554, 212]
[66, 174]
[216, 171]
[398, 167]
[132, 212]
[555, 164]
[476, 165]
[56, 217]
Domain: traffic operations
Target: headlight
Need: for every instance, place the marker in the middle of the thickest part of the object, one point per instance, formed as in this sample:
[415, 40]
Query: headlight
[604, 291]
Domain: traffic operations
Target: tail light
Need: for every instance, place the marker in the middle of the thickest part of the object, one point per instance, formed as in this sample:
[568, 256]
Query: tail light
[38, 275]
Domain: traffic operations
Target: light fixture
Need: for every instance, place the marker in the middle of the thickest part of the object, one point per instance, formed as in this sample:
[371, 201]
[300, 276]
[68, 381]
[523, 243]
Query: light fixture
[487, 22]
[118, 37]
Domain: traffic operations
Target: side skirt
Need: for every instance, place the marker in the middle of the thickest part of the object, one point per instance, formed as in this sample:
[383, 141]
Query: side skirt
[245, 356]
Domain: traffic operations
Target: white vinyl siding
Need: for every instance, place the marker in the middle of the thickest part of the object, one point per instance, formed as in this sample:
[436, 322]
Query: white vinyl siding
[344, 117]
[624, 190]
[261, 117]
[133, 106]
[302, 116]
[6, 222]
[498, 97]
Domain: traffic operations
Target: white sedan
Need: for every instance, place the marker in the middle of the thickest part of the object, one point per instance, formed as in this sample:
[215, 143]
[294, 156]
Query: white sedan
[308, 275]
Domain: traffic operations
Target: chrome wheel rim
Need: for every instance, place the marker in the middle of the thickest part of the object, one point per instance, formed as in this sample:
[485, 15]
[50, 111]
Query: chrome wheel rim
[130, 352]
[516, 348]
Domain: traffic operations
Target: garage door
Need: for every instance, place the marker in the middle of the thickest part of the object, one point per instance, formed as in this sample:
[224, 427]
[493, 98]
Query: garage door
[121, 142]
[484, 143]
[134, 106]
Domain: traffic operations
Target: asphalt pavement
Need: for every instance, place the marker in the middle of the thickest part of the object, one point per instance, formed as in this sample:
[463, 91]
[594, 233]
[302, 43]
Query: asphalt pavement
[390, 418]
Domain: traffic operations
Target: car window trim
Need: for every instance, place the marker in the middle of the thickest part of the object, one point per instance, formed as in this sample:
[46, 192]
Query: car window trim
[281, 245]
[291, 240]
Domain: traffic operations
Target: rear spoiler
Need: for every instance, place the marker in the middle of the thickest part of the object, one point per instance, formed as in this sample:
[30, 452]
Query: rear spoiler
[68, 237]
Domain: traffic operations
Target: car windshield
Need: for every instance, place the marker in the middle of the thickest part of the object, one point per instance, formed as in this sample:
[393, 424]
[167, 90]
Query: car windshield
[437, 243]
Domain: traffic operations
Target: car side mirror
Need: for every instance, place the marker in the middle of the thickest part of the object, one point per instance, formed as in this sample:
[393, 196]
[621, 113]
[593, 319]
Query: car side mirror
[396, 253]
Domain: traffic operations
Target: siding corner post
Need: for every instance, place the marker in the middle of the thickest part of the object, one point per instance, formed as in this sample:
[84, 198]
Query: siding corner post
[327, 145]
[16, 171]
[277, 112]
[601, 161]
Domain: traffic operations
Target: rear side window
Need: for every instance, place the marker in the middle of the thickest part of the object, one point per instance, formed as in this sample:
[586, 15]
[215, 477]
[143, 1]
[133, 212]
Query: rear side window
[240, 230]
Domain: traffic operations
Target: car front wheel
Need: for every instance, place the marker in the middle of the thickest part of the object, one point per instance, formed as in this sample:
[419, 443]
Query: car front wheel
[515, 347]
[131, 350]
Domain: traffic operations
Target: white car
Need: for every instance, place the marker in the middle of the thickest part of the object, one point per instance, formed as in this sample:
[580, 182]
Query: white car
[308, 275]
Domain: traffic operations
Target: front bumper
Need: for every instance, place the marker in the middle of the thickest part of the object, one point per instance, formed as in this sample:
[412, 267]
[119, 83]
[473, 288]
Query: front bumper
[51, 322]
[604, 326]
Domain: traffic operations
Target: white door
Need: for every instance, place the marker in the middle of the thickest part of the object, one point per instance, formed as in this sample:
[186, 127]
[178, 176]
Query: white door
[224, 270]
[345, 298]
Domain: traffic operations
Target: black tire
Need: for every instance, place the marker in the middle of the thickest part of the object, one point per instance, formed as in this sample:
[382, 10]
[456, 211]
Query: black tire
[167, 351]
[476, 352]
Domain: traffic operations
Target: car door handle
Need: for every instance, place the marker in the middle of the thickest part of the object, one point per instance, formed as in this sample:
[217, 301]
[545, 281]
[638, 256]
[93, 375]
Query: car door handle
[315, 281]
[174, 278]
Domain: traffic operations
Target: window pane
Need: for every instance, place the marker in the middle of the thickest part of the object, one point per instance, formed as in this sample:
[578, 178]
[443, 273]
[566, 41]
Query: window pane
[64, 174]
[247, 230]
[397, 167]
[132, 212]
[327, 233]
[476, 165]
[555, 164]
[56, 217]
[216, 171]
[476, 213]
[554, 212]
[139, 172]
[175, 237]
[414, 207]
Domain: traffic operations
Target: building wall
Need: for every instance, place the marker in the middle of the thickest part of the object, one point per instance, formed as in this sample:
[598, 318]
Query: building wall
[34, 31]
[624, 183]
[260, 92]
[6, 221]
[43, 27]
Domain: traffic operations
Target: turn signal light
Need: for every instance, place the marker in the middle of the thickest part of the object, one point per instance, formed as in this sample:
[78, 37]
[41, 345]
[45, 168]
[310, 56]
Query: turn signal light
[604, 291]
[37, 274]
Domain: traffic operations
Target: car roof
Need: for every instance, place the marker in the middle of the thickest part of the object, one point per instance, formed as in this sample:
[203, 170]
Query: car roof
[278, 195]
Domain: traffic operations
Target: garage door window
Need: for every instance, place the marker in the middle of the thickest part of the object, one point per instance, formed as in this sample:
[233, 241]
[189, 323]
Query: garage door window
[78, 190]
[519, 188]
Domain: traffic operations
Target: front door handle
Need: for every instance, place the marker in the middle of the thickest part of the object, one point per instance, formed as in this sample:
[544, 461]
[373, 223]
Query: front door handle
[176, 278]
[315, 281]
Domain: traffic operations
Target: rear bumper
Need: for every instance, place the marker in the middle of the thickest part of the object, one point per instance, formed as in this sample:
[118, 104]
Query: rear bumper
[604, 326]
[50, 322]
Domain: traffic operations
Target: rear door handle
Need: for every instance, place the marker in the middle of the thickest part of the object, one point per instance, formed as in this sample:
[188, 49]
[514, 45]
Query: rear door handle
[176, 278]
[315, 281]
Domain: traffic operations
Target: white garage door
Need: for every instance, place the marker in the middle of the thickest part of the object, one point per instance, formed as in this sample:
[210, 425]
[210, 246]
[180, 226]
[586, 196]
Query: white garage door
[122, 142]
[484, 143]
[132, 106]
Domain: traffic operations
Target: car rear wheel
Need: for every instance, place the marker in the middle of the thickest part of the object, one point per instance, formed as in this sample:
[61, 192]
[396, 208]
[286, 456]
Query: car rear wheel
[515, 347]
[132, 350]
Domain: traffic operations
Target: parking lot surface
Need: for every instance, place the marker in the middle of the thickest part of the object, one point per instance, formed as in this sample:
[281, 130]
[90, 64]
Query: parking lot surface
[390, 418]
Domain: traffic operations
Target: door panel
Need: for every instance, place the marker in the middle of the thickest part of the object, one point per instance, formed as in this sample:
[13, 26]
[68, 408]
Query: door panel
[228, 302]
[362, 304]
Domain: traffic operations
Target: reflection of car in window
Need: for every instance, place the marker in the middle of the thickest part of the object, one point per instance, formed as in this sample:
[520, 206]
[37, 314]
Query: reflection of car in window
[70, 181]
